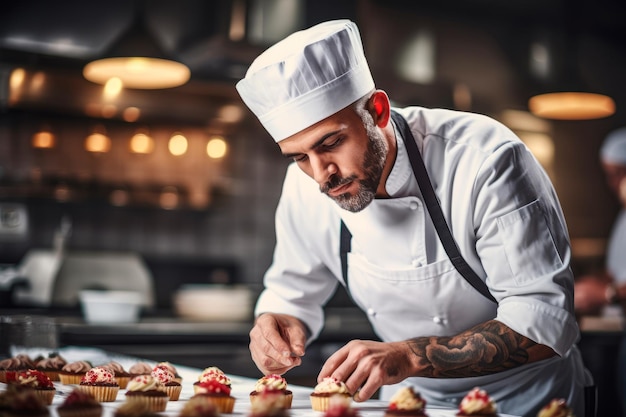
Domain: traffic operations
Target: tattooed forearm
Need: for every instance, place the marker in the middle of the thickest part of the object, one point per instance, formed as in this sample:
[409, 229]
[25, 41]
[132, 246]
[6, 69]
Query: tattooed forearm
[487, 348]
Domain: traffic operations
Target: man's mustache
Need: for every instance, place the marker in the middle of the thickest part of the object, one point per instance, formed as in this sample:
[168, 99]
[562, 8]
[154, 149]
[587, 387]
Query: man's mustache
[335, 181]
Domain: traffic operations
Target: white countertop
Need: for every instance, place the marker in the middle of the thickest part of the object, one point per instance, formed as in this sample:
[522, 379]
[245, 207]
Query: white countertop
[241, 387]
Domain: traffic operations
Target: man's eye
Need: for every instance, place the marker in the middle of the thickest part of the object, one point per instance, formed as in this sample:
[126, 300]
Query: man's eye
[300, 158]
[334, 143]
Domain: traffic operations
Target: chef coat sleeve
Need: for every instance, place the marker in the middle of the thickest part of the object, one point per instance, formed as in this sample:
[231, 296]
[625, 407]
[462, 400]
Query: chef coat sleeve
[299, 281]
[524, 247]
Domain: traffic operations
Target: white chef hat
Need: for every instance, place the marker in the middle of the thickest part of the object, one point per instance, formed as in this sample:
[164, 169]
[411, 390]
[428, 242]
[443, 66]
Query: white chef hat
[613, 149]
[307, 77]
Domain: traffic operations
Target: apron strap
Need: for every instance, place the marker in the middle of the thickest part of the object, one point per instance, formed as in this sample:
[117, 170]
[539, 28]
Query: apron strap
[345, 246]
[434, 209]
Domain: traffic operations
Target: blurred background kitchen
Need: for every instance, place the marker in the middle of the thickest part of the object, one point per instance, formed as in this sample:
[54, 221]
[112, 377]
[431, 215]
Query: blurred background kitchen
[162, 189]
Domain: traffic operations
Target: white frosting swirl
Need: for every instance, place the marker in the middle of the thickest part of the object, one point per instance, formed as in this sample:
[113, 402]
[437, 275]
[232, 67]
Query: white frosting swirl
[556, 408]
[406, 399]
[163, 375]
[99, 375]
[477, 401]
[145, 383]
[330, 385]
[271, 382]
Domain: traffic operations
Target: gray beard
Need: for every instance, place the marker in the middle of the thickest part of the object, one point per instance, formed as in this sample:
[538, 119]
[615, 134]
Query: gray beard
[373, 169]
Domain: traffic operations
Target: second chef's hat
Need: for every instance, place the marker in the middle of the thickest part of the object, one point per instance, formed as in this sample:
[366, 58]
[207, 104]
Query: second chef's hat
[614, 147]
[306, 77]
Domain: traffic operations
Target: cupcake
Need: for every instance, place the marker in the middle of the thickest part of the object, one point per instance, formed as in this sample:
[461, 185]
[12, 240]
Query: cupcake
[16, 363]
[139, 368]
[406, 402]
[100, 383]
[35, 380]
[146, 389]
[79, 404]
[556, 408]
[135, 409]
[73, 372]
[121, 375]
[329, 386]
[272, 384]
[172, 369]
[212, 390]
[211, 373]
[268, 404]
[477, 402]
[20, 401]
[167, 378]
[51, 365]
[199, 406]
[339, 406]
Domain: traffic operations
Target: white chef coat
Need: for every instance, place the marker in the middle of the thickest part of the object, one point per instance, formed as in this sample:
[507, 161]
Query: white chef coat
[506, 219]
[615, 259]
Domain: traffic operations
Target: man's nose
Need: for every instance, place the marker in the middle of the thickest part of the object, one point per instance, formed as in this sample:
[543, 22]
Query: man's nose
[322, 168]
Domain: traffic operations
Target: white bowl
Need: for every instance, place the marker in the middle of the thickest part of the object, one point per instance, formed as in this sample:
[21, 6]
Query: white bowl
[213, 302]
[111, 306]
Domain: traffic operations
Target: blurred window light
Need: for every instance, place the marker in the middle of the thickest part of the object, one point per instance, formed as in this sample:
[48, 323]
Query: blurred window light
[417, 58]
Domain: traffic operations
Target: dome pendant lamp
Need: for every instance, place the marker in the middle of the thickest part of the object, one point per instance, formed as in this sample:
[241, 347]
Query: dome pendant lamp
[138, 61]
[568, 98]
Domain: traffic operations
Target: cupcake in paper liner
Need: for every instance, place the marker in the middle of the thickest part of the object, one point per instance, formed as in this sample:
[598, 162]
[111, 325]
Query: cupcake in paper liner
[274, 385]
[121, 375]
[148, 390]
[73, 372]
[38, 381]
[327, 388]
[79, 404]
[217, 393]
[406, 402]
[100, 383]
[557, 407]
[477, 402]
[51, 365]
[169, 381]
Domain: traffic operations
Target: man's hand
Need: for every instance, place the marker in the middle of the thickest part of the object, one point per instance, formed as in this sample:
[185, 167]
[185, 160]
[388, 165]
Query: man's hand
[277, 343]
[486, 348]
[366, 365]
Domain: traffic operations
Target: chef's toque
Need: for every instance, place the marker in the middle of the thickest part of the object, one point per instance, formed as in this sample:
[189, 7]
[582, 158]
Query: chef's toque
[307, 77]
[613, 149]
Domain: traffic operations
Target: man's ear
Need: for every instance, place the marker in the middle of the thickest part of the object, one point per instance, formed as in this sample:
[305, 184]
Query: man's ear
[380, 108]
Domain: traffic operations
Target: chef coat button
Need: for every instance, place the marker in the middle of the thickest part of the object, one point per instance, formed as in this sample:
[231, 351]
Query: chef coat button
[416, 263]
[371, 312]
[413, 205]
[437, 320]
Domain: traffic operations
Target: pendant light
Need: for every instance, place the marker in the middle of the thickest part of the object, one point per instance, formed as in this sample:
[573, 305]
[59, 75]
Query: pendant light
[565, 96]
[138, 61]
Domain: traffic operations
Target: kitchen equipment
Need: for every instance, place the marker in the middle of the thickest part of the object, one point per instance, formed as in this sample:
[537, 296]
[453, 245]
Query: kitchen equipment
[213, 302]
[56, 279]
[111, 306]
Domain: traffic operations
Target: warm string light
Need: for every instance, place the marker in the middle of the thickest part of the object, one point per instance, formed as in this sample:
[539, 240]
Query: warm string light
[177, 144]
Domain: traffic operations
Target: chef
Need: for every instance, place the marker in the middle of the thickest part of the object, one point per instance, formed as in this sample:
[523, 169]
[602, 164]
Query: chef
[441, 225]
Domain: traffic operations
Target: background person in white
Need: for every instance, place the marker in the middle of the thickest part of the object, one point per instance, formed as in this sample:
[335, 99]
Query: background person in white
[594, 292]
[314, 94]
